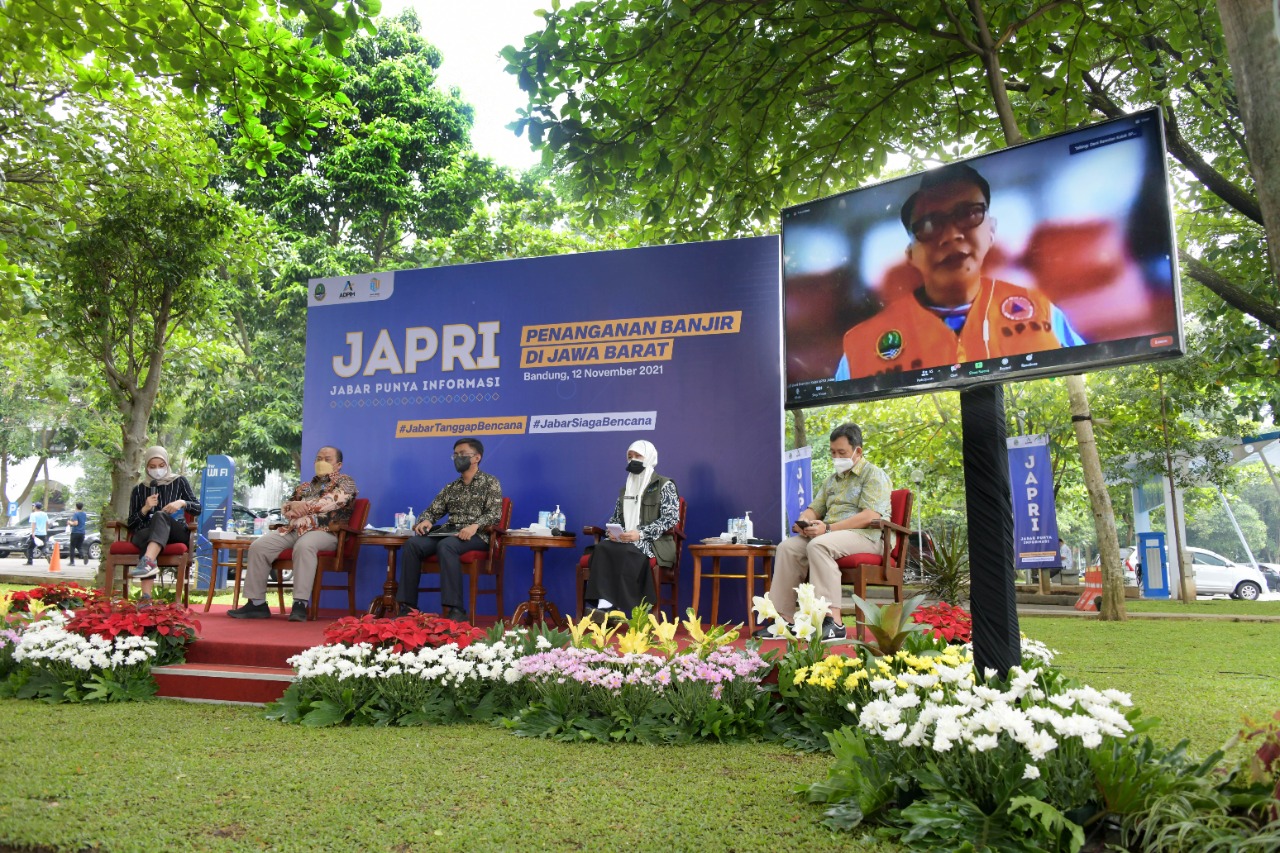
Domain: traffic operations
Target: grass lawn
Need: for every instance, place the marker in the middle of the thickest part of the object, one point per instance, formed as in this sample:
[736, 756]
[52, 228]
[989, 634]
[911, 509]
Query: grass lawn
[1206, 606]
[1198, 677]
[163, 775]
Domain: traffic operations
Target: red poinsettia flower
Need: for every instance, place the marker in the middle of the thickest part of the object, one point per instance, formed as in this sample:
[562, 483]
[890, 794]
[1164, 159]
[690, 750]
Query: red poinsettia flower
[401, 634]
[950, 623]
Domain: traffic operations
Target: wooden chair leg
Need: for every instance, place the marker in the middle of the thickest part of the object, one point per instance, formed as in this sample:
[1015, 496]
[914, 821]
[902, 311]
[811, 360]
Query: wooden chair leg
[474, 574]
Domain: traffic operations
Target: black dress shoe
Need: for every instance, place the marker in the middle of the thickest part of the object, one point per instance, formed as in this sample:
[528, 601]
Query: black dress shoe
[403, 609]
[249, 610]
[456, 614]
[298, 613]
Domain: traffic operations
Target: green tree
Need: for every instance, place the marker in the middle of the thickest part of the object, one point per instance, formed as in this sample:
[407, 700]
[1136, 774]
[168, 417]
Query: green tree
[79, 74]
[131, 285]
[387, 187]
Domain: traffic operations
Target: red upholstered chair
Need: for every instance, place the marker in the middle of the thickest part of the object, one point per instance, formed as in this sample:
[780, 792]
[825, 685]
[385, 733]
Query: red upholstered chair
[123, 553]
[477, 563]
[342, 560]
[884, 567]
[662, 575]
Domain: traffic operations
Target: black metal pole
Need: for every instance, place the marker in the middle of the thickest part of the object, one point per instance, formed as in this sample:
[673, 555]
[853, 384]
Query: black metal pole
[992, 598]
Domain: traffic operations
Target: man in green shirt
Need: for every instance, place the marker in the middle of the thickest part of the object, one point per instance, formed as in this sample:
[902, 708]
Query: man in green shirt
[836, 524]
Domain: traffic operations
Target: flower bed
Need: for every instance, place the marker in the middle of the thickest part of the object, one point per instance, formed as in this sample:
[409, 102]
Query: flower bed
[103, 651]
[56, 664]
[605, 695]
[408, 671]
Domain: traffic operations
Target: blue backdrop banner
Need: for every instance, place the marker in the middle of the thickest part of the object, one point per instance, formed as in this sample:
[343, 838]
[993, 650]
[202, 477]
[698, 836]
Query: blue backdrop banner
[1035, 519]
[556, 364]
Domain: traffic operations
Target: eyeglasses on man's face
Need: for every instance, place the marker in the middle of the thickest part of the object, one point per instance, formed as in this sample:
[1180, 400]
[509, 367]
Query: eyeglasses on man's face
[929, 227]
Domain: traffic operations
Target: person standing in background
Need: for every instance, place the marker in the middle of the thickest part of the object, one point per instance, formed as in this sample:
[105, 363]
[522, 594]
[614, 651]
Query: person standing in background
[78, 524]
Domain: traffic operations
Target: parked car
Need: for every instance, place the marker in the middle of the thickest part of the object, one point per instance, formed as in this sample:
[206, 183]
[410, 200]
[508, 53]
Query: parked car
[92, 541]
[1271, 571]
[1217, 575]
[14, 539]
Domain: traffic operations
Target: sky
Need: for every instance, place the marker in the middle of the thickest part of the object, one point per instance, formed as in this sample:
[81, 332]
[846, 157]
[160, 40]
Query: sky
[470, 33]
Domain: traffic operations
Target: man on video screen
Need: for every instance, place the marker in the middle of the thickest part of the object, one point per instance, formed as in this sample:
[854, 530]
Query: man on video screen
[957, 314]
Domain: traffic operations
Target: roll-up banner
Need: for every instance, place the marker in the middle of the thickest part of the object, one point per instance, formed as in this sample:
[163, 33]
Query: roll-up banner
[1035, 519]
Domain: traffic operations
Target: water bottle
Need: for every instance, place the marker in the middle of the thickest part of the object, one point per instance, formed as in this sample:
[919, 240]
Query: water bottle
[557, 519]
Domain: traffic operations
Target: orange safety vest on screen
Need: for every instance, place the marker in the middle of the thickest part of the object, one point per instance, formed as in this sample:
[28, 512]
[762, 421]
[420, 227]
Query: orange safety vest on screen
[908, 336]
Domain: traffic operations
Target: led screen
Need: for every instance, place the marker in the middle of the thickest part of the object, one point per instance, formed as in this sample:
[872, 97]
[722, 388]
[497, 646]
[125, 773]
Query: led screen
[1048, 258]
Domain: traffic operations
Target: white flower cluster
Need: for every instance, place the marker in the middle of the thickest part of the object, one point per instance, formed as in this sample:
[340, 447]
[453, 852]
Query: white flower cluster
[810, 611]
[943, 710]
[447, 664]
[49, 641]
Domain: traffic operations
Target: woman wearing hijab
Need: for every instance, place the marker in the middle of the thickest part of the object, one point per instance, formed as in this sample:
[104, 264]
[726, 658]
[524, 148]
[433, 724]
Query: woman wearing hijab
[157, 514]
[648, 506]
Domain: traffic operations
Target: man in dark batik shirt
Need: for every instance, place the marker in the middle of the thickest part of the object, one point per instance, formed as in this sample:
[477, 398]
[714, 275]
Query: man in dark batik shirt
[473, 503]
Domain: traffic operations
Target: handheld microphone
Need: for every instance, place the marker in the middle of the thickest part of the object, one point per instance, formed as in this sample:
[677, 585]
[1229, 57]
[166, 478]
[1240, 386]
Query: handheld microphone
[558, 532]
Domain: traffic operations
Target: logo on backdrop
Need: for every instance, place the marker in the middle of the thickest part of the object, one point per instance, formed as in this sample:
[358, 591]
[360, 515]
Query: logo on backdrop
[1035, 519]
[352, 289]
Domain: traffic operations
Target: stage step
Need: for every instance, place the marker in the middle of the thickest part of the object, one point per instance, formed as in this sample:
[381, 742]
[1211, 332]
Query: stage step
[222, 682]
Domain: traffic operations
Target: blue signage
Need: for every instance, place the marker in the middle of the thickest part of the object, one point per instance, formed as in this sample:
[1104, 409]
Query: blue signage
[556, 364]
[217, 485]
[797, 484]
[1035, 519]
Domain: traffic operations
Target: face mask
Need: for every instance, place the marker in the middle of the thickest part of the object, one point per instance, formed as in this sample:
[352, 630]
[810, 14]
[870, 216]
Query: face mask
[461, 463]
[635, 466]
[323, 468]
[157, 473]
[842, 465]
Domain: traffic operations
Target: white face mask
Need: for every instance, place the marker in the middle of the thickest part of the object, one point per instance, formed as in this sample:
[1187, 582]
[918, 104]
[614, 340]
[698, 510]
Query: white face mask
[157, 473]
[842, 465]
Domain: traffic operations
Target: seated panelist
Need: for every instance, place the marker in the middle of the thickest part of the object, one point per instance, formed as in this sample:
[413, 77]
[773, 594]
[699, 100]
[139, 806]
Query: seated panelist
[473, 503]
[316, 509]
[648, 506]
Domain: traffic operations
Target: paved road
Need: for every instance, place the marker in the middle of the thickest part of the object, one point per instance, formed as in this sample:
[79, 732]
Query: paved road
[15, 566]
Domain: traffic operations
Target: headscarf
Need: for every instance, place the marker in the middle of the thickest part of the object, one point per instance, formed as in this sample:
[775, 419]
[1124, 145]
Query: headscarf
[636, 483]
[152, 452]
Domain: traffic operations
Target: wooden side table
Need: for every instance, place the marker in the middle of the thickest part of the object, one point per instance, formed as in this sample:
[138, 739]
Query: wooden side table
[715, 552]
[236, 549]
[537, 607]
[386, 604]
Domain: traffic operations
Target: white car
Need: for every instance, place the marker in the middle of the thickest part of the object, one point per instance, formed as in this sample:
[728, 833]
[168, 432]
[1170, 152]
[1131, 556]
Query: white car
[1216, 575]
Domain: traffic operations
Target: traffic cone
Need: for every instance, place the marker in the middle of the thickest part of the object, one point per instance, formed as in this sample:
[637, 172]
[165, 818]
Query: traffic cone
[55, 562]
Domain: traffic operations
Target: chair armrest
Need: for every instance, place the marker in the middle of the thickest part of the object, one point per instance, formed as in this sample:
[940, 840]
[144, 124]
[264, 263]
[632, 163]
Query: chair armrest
[121, 529]
[591, 530]
[896, 528]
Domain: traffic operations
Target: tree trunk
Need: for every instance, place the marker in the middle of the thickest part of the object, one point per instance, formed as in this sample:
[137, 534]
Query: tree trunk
[1099, 500]
[797, 429]
[1104, 520]
[1252, 32]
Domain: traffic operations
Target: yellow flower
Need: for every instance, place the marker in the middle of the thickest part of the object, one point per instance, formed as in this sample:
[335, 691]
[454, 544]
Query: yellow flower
[578, 629]
[6, 601]
[634, 642]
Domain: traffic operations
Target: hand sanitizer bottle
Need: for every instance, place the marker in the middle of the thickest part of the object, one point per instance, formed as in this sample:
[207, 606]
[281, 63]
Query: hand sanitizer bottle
[748, 529]
[557, 519]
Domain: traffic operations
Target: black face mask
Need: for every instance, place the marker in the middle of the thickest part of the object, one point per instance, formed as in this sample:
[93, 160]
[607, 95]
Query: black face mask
[635, 466]
[461, 463]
